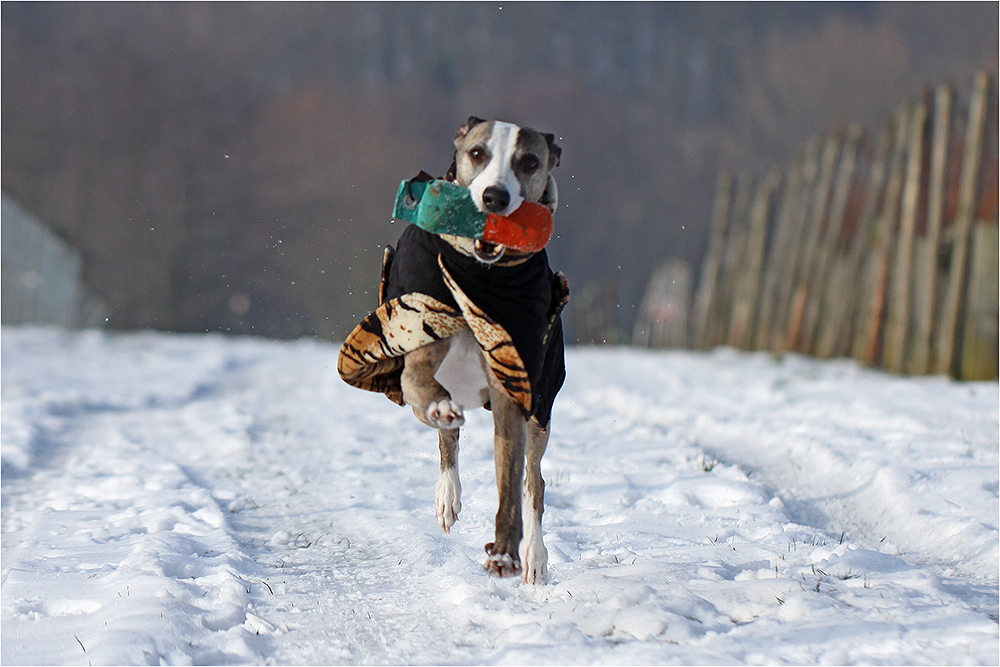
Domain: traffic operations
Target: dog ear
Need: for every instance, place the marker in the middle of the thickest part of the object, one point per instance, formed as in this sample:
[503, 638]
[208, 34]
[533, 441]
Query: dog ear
[469, 124]
[550, 197]
[452, 173]
[555, 152]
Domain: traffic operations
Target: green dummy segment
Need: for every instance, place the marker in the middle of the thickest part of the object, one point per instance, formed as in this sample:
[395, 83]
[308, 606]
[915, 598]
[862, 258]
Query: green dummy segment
[443, 207]
[439, 207]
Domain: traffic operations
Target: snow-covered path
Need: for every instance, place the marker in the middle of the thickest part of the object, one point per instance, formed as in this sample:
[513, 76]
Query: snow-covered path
[198, 499]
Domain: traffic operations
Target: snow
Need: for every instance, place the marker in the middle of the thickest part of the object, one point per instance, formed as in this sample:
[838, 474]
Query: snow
[189, 499]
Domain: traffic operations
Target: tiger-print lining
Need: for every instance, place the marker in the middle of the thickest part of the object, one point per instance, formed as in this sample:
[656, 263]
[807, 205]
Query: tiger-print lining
[372, 356]
[387, 256]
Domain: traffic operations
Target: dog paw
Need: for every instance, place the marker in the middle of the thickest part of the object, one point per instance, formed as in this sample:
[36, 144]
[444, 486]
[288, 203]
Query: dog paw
[501, 564]
[448, 498]
[445, 414]
[535, 557]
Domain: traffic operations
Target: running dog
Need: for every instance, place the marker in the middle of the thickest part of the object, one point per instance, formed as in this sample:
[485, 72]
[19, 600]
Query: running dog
[463, 324]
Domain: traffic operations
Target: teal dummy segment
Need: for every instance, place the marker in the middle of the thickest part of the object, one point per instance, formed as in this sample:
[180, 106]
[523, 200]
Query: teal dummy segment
[439, 207]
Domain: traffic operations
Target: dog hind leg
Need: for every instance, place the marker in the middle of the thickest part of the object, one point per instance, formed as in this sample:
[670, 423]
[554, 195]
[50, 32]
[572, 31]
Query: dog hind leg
[448, 490]
[508, 456]
[534, 555]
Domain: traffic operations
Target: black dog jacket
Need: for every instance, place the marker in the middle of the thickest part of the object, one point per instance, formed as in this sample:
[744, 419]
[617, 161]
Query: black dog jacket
[430, 290]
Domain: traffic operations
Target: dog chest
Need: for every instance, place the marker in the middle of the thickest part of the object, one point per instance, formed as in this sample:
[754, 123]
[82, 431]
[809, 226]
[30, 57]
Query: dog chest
[462, 372]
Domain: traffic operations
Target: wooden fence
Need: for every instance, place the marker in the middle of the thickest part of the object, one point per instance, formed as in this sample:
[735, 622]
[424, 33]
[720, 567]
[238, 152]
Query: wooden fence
[885, 251]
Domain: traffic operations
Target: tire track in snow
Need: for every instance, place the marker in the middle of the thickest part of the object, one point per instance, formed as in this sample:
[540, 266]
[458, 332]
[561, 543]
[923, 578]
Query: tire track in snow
[822, 436]
[112, 552]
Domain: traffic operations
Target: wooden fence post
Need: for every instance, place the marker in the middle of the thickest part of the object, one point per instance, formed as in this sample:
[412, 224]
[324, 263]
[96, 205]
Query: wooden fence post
[926, 260]
[852, 270]
[979, 344]
[710, 266]
[871, 311]
[897, 324]
[835, 293]
[748, 282]
[776, 259]
[838, 165]
[733, 258]
[945, 352]
[793, 250]
[802, 321]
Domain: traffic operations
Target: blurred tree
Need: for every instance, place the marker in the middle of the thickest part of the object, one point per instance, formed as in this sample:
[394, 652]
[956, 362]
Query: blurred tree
[231, 166]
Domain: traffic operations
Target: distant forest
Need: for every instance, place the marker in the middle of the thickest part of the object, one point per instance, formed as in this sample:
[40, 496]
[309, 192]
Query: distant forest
[232, 166]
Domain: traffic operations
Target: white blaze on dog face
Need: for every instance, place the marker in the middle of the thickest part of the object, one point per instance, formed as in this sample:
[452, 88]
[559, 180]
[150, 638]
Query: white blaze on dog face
[497, 173]
[502, 164]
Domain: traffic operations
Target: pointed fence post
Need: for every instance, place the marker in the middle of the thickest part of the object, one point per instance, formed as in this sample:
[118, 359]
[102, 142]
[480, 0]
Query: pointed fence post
[981, 338]
[817, 242]
[777, 258]
[926, 273]
[869, 322]
[979, 344]
[710, 266]
[900, 289]
[945, 353]
[733, 260]
[836, 298]
[789, 301]
[748, 282]
[848, 327]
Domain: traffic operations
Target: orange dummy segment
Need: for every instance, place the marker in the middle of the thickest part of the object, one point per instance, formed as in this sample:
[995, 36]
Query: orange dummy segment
[528, 228]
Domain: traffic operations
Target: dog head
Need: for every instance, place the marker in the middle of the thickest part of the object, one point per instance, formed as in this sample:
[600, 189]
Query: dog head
[503, 165]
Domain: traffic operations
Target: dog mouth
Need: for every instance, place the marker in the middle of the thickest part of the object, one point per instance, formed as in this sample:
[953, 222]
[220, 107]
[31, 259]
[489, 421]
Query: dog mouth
[487, 252]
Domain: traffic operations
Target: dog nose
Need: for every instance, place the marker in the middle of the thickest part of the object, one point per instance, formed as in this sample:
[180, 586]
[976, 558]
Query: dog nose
[495, 199]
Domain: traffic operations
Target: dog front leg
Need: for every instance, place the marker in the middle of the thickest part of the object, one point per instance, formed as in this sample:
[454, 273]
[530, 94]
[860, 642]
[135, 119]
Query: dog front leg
[430, 401]
[534, 555]
[448, 490]
[508, 456]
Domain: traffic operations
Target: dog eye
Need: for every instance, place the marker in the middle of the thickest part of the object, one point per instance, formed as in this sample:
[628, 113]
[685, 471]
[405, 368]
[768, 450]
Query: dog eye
[477, 155]
[529, 163]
